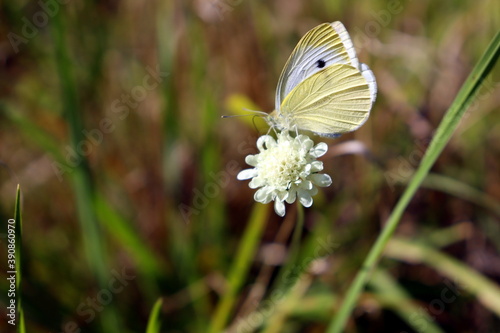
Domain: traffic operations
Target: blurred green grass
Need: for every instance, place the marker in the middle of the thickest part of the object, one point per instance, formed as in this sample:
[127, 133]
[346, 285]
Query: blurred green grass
[170, 148]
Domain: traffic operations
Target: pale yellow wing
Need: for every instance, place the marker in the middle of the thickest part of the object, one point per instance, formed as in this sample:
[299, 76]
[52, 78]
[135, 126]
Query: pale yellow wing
[323, 46]
[333, 101]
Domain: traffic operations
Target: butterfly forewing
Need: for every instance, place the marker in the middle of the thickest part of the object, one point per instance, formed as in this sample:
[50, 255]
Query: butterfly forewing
[332, 101]
[321, 47]
[346, 40]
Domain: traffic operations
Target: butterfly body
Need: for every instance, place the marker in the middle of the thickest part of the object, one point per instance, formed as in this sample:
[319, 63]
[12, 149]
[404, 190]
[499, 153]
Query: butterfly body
[323, 88]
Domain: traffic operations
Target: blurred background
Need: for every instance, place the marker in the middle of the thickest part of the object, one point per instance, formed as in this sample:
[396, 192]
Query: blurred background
[110, 122]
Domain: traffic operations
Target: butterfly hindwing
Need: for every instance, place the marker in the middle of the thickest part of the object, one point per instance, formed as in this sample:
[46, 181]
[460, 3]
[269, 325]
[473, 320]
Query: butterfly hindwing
[333, 101]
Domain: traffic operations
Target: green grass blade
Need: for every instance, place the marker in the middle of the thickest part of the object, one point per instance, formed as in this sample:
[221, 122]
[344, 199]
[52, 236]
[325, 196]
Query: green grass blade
[154, 323]
[119, 228]
[20, 327]
[443, 134]
[81, 176]
[82, 180]
[240, 266]
[40, 137]
[443, 237]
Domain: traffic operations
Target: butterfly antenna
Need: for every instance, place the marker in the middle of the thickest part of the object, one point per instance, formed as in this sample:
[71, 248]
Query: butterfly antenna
[251, 113]
[235, 115]
[256, 112]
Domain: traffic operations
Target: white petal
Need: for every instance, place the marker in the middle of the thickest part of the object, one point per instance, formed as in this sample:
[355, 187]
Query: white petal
[304, 142]
[305, 198]
[257, 182]
[279, 208]
[263, 195]
[246, 174]
[292, 196]
[307, 168]
[320, 149]
[251, 160]
[270, 142]
[316, 166]
[265, 142]
[284, 137]
[313, 191]
[321, 179]
[306, 185]
[302, 138]
[282, 195]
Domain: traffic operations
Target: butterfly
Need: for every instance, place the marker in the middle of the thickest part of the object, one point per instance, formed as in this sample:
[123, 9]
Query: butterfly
[323, 87]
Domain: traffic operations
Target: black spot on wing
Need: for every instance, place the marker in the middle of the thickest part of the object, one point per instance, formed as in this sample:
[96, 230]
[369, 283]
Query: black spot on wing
[320, 63]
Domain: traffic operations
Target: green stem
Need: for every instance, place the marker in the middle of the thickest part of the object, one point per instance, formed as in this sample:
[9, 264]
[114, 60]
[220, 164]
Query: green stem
[443, 134]
[290, 272]
[240, 267]
[297, 235]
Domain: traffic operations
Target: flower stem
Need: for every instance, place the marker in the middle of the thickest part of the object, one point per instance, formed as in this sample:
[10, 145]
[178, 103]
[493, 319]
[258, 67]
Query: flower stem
[284, 280]
[290, 273]
[240, 267]
[297, 234]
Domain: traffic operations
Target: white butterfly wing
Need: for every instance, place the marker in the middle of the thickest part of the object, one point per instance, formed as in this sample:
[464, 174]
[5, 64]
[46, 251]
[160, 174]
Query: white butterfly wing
[370, 79]
[332, 101]
[323, 87]
[322, 46]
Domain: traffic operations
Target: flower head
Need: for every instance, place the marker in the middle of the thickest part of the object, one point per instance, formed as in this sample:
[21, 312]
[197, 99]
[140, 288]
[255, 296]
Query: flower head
[285, 170]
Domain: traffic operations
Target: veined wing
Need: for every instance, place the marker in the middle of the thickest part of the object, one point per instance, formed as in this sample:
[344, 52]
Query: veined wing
[333, 101]
[323, 46]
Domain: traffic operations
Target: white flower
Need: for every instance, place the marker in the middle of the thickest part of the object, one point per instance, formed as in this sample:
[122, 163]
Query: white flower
[286, 170]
